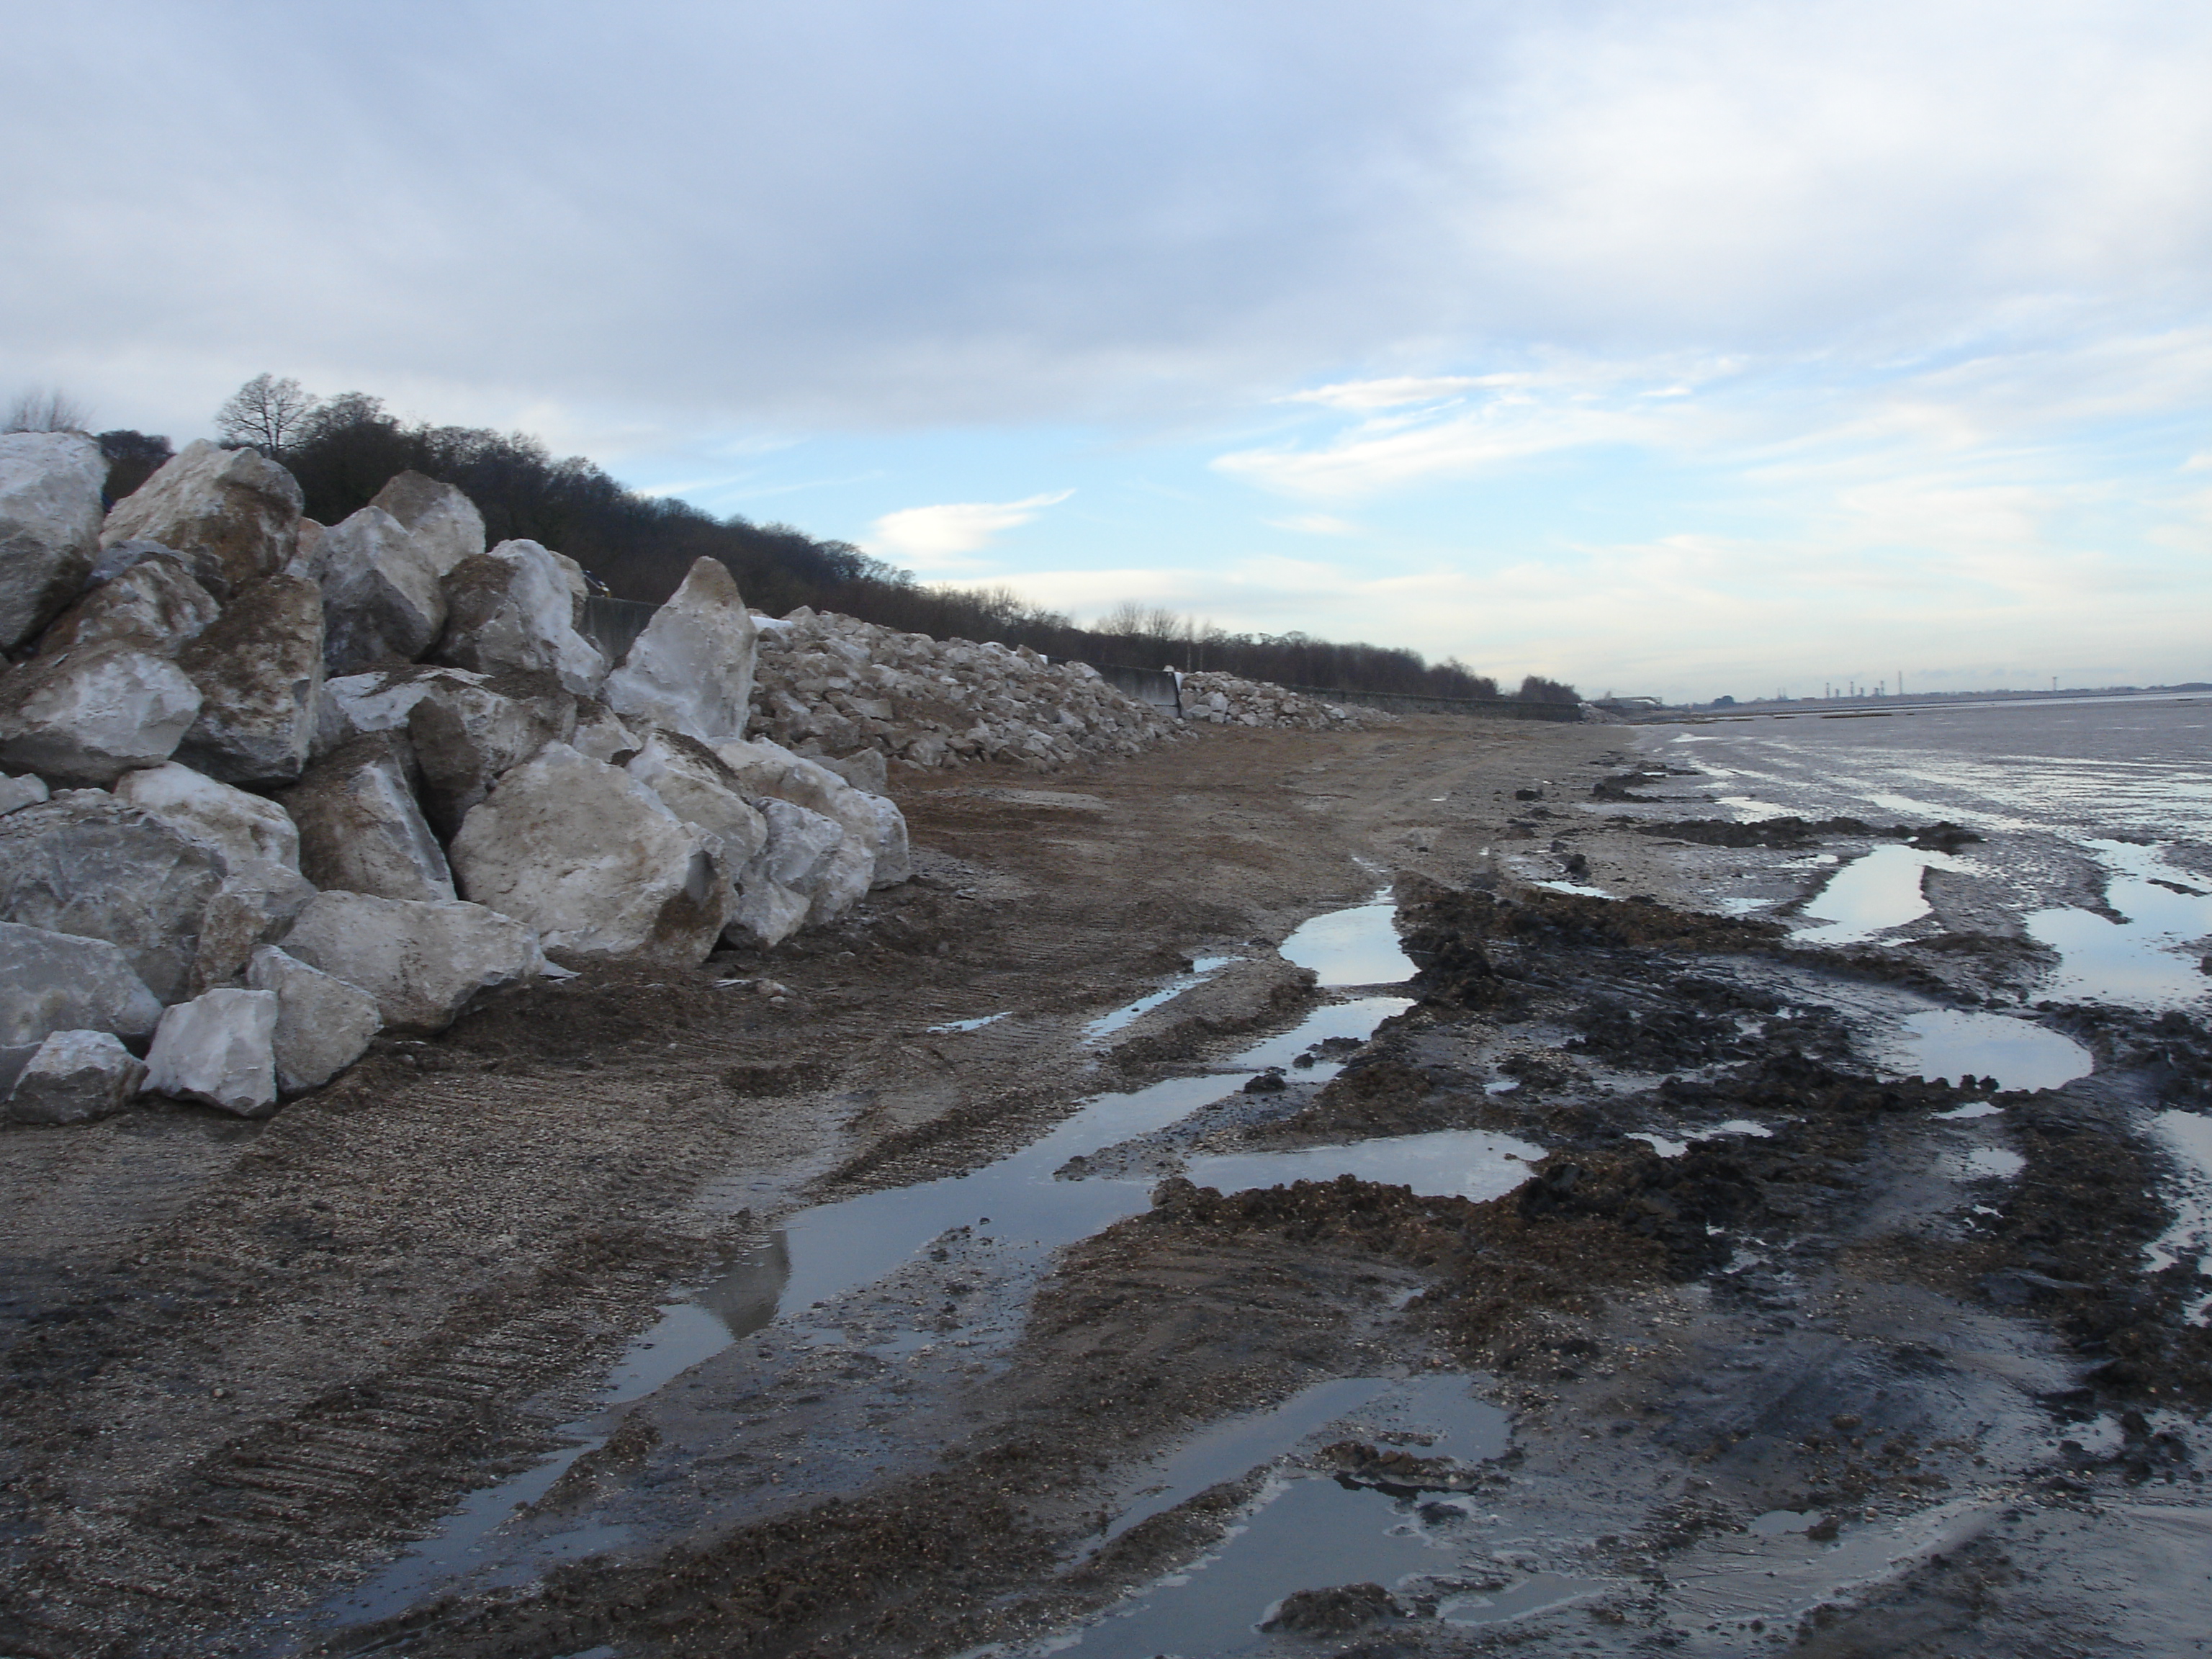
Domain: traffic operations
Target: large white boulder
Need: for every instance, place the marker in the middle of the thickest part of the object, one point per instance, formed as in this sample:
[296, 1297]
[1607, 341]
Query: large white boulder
[219, 1049]
[382, 598]
[323, 1023]
[693, 783]
[246, 829]
[464, 735]
[444, 522]
[259, 672]
[87, 864]
[842, 881]
[154, 604]
[691, 669]
[52, 981]
[423, 964]
[767, 915]
[50, 511]
[872, 821]
[594, 861]
[361, 831]
[262, 889]
[800, 847]
[85, 717]
[233, 514]
[75, 1077]
[515, 608]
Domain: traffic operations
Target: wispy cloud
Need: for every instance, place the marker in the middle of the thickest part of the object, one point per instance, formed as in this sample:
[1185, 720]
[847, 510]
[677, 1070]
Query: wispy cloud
[1317, 524]
[941, 535]
[1392, 392]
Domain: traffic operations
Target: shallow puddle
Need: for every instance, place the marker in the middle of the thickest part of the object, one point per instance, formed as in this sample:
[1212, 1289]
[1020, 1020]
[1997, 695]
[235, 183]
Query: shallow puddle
[1984, 1164]
[968, 1025]
[1442, 1417]
[1956, 1043]
[2188, 1136]
[1873, 893]
[1015, 1204]
[1357, 946]
[2144, 961]
[1471, 1164]
[1305, 1534]
[1129, 1013]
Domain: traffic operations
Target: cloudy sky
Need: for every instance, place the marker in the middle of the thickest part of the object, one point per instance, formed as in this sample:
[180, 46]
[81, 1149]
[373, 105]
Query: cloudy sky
[1677, 348]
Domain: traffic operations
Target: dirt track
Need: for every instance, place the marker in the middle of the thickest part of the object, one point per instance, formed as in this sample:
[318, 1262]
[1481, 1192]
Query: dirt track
[247, 1363]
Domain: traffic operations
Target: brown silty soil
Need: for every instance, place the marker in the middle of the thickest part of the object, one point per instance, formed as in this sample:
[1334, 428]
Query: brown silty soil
[247, 1364]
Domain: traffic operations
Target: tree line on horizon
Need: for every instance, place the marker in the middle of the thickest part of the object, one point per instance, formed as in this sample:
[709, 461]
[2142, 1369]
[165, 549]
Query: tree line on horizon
[343, 449]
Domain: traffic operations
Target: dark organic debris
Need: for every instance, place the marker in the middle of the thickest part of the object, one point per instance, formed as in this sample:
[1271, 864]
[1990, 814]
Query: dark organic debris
[1334, 1611]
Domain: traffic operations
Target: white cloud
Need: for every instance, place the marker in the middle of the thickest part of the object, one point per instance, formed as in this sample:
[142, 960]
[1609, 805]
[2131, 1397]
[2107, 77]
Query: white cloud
[940, 535]
[1388, 393]
[1394, 452]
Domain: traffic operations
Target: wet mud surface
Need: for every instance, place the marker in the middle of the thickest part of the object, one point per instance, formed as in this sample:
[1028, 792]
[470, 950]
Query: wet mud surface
[1503, 1265]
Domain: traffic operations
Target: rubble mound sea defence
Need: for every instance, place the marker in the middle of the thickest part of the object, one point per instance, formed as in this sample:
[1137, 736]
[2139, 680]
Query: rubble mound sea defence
[269, 788]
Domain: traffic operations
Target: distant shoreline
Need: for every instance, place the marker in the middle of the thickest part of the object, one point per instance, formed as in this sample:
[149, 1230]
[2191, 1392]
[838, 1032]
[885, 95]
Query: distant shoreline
[1845, 707]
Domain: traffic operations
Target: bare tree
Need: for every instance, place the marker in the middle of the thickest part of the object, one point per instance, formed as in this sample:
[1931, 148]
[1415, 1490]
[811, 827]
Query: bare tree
[266, 414]
[49, 411]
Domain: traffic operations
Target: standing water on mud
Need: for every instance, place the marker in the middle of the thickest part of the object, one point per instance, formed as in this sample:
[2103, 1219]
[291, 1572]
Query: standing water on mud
[826, 1251]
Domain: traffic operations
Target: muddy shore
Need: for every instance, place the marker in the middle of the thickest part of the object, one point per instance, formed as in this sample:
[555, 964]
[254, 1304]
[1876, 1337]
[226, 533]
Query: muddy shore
[1886, 1371]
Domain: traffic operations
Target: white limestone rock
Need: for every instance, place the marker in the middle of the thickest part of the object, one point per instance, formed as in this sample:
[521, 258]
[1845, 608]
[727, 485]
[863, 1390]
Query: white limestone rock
[232, 514]
[692, 670]
[262, 889]
[52, 981]
[600, 736]
[253, 907]
[767, 915]
[594, 861]
[361, 831]
[154, 605]
[765, 768]
[87, 864]
[800, 847]
[246, 829]
[86, 717]
[464, 735]
[354, 705]
[219, 1049]
[382, 598]
[892, 861]
[424, 963]
[444, 522]
[865, 770]
[50, 513]
[75, 1076]
[259, 672]
[693, 783]
[323, 1023]
[27, 790]
[514, 609]
[842, 883]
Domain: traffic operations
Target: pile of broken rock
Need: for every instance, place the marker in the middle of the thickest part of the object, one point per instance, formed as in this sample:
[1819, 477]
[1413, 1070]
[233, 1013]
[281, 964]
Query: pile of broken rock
[841, 683]
[268, 788]
[1227, 700]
